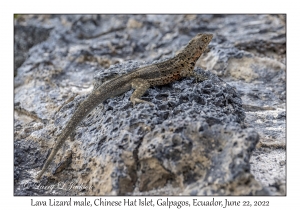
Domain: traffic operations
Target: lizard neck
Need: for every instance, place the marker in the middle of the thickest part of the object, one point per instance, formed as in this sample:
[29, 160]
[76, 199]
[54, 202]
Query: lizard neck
[188, 55]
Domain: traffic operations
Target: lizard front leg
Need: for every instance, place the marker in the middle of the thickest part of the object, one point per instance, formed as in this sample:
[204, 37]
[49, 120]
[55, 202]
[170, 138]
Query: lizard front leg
[198, 77]
[140, 86]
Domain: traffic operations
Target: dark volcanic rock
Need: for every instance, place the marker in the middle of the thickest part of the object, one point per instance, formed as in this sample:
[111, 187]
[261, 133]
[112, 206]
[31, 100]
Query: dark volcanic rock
[183, 139]
[198, 158]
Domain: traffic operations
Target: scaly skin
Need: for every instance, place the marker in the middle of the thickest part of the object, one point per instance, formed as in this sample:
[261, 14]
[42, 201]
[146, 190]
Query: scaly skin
[182, 65]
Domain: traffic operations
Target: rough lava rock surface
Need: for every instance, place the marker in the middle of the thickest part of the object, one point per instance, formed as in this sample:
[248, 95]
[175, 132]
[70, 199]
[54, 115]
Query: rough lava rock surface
[218, 137]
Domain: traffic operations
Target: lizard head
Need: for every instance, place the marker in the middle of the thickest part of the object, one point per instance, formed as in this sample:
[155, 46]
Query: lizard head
[201, 41]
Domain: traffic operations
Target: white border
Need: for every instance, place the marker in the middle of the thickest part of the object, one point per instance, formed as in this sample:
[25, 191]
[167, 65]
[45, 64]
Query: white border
[8, 8]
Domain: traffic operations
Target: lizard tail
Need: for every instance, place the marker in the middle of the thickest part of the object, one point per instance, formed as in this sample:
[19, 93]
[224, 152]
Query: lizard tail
[60, 142]
[84, 108]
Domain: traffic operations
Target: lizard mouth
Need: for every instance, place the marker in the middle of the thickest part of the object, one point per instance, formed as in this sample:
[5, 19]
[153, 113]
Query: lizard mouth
[210, 36]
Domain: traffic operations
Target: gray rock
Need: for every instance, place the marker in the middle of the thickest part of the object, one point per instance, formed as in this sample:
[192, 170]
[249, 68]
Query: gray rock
[200, 159]
[24, 39]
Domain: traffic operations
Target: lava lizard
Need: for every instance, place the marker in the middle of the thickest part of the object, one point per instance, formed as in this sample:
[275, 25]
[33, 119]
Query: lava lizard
[182, 65]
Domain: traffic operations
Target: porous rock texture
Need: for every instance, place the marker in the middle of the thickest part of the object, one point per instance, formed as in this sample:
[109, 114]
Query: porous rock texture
[218, 137]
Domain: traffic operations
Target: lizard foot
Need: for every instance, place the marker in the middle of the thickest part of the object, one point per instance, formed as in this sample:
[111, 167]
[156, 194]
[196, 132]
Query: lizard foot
[137, 100]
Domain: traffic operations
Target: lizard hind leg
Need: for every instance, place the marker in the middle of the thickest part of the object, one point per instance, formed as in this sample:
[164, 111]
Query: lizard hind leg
[140, 86]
